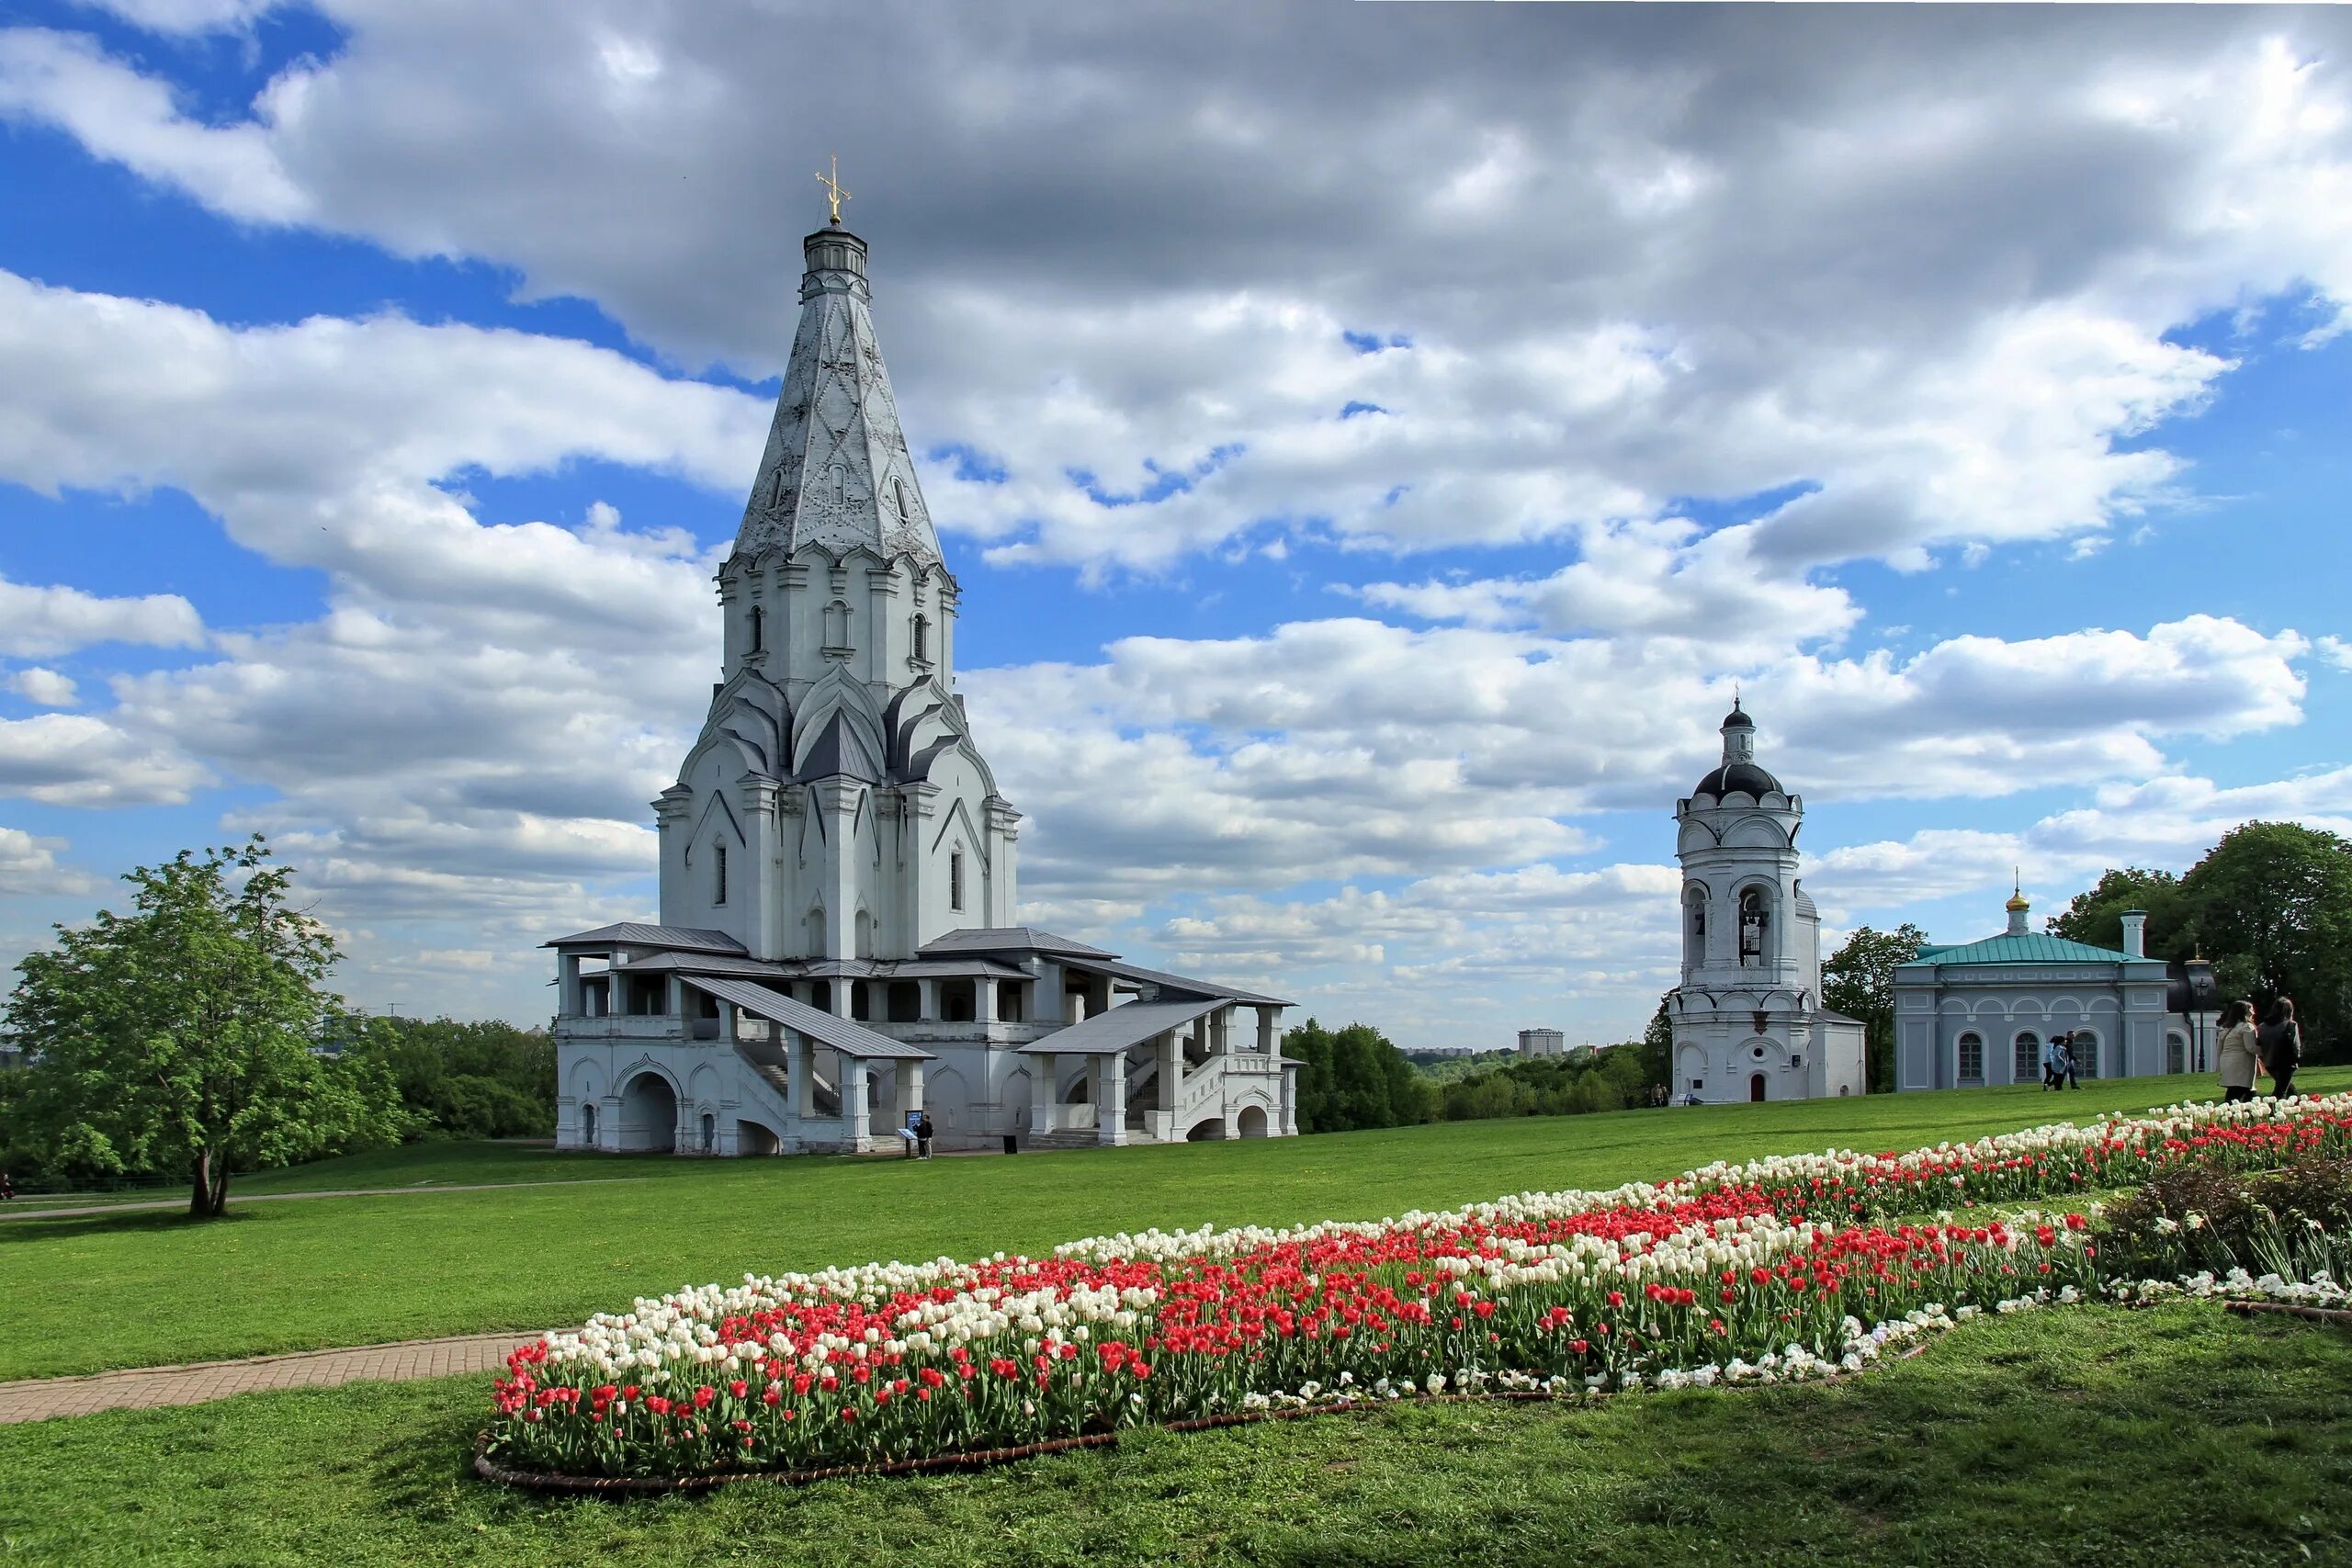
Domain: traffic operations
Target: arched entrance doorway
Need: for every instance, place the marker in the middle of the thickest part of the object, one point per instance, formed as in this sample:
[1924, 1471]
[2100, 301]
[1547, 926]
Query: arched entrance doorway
[649, 1118]
[1252, 1123]
[1756, 1086]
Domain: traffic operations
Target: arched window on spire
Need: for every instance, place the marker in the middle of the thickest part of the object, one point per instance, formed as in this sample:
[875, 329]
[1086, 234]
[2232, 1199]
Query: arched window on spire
[1695, 926]
[759, 628]
[837, 626]
[923, 640]
[898, 499]
[719, 874]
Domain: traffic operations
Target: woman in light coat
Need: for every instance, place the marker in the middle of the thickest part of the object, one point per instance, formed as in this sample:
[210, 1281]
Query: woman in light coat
[2238, 1057]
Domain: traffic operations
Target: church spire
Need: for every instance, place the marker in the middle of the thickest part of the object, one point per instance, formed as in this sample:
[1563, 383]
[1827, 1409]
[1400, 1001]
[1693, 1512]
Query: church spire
[836, 472]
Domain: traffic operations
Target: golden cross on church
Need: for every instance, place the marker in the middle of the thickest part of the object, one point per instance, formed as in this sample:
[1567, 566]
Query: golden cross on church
[832, 184]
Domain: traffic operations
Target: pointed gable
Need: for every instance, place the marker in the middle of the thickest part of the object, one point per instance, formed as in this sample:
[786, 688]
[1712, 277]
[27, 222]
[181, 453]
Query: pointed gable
[836, 472]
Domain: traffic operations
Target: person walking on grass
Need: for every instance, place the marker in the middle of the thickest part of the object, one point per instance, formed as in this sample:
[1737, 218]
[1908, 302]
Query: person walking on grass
[2240, 1054]
[924, 1132]
[2052, 1075]
[2066, 1074]
[2280, 1042]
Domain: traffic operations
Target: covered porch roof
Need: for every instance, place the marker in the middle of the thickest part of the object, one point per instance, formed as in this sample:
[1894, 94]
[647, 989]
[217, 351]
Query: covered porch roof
[845, 1036]
[1117, 1027]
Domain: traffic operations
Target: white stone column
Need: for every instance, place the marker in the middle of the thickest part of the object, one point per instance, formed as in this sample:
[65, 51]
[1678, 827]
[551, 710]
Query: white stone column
[567, 985]
[1049, 993]
[756, 885]
[856, 1118]
[1004, 854]
[1266, 1030]
[804, 1076]
[910, 1087]
[1111, 1098]
[1172, 1071]
[1221, 1032]
[1290, 1102]
[1042, 1071]
[928, 1008]
[984, 999]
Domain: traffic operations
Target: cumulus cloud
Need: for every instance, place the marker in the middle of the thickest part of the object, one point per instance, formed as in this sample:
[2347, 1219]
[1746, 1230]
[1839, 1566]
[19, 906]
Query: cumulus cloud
[74, 760]
[50, 619]
[45, 687]
[29, 867]
[1923, 269]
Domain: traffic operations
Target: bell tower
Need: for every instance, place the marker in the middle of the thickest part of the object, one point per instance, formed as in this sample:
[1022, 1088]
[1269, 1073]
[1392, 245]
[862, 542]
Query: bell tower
[1751, 938]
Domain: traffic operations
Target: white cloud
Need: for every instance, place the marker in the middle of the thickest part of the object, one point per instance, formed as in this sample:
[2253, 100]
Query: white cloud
[46, 687]
[52, 619]
[29, 867]
[188, 16]
[2335, 651]
[64, 79]
[73, 759]
[1923, 267]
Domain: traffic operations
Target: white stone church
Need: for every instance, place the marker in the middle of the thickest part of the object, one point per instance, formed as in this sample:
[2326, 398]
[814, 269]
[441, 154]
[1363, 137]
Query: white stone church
[1748, 1018]
[838, 950]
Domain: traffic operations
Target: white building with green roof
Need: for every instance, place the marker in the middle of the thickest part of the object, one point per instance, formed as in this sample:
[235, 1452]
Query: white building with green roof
[1979, 1013]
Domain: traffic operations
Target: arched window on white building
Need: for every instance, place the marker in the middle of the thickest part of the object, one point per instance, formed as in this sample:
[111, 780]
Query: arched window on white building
[1695, 926]
[2085, 1046]
[2176, 1052]
[1972, 1058]
[719, 874]
[955, 880]
[837, 626]
[923, 640]
[2025, 1056]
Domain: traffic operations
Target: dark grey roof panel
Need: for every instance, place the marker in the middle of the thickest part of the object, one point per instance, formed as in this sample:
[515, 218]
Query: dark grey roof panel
[1120, 1027]
[845, 1036]
[686, 939]
[1008, 939]
[1127, 971]
[706, 964]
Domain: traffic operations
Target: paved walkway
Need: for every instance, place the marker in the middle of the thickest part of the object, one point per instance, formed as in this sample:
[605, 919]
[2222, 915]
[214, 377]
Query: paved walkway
[143, 1388]
[10, 1211]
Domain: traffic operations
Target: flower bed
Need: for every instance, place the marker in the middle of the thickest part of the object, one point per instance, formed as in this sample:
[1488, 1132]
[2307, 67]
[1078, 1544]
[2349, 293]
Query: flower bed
[1761, 1272]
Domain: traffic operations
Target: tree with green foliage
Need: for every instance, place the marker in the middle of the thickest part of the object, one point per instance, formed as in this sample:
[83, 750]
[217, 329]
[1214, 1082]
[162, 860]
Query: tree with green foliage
[1658, 1047]
[2270, 906]
[1858, 981]
[464, 1080]
[1353, 1077]
[177, 1037]
[1607, 1079]
[2097, 916]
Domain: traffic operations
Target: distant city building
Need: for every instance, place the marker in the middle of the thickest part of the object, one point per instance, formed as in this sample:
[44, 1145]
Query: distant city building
[1542, 1042]
[1748, 1018]
[1980, 1012]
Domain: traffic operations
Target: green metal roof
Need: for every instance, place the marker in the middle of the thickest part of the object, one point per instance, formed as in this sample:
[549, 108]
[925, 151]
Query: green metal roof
[2033, 948]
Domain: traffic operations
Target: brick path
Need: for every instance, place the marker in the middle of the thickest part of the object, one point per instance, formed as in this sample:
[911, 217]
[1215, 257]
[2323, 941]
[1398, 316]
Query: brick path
[143, 1388]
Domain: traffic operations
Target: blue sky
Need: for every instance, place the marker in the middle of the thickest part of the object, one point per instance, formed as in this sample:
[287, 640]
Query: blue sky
[1356, 552]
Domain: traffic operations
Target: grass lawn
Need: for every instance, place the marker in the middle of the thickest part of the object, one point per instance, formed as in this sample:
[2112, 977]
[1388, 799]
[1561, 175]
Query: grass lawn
[146, 1288]
[2074, 1436]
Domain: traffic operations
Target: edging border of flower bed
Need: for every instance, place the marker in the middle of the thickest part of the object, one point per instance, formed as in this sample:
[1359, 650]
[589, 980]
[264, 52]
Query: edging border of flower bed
[488, 1468]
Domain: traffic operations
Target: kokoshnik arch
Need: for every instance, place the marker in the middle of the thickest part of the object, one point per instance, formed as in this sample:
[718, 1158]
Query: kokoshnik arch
[839, 947]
